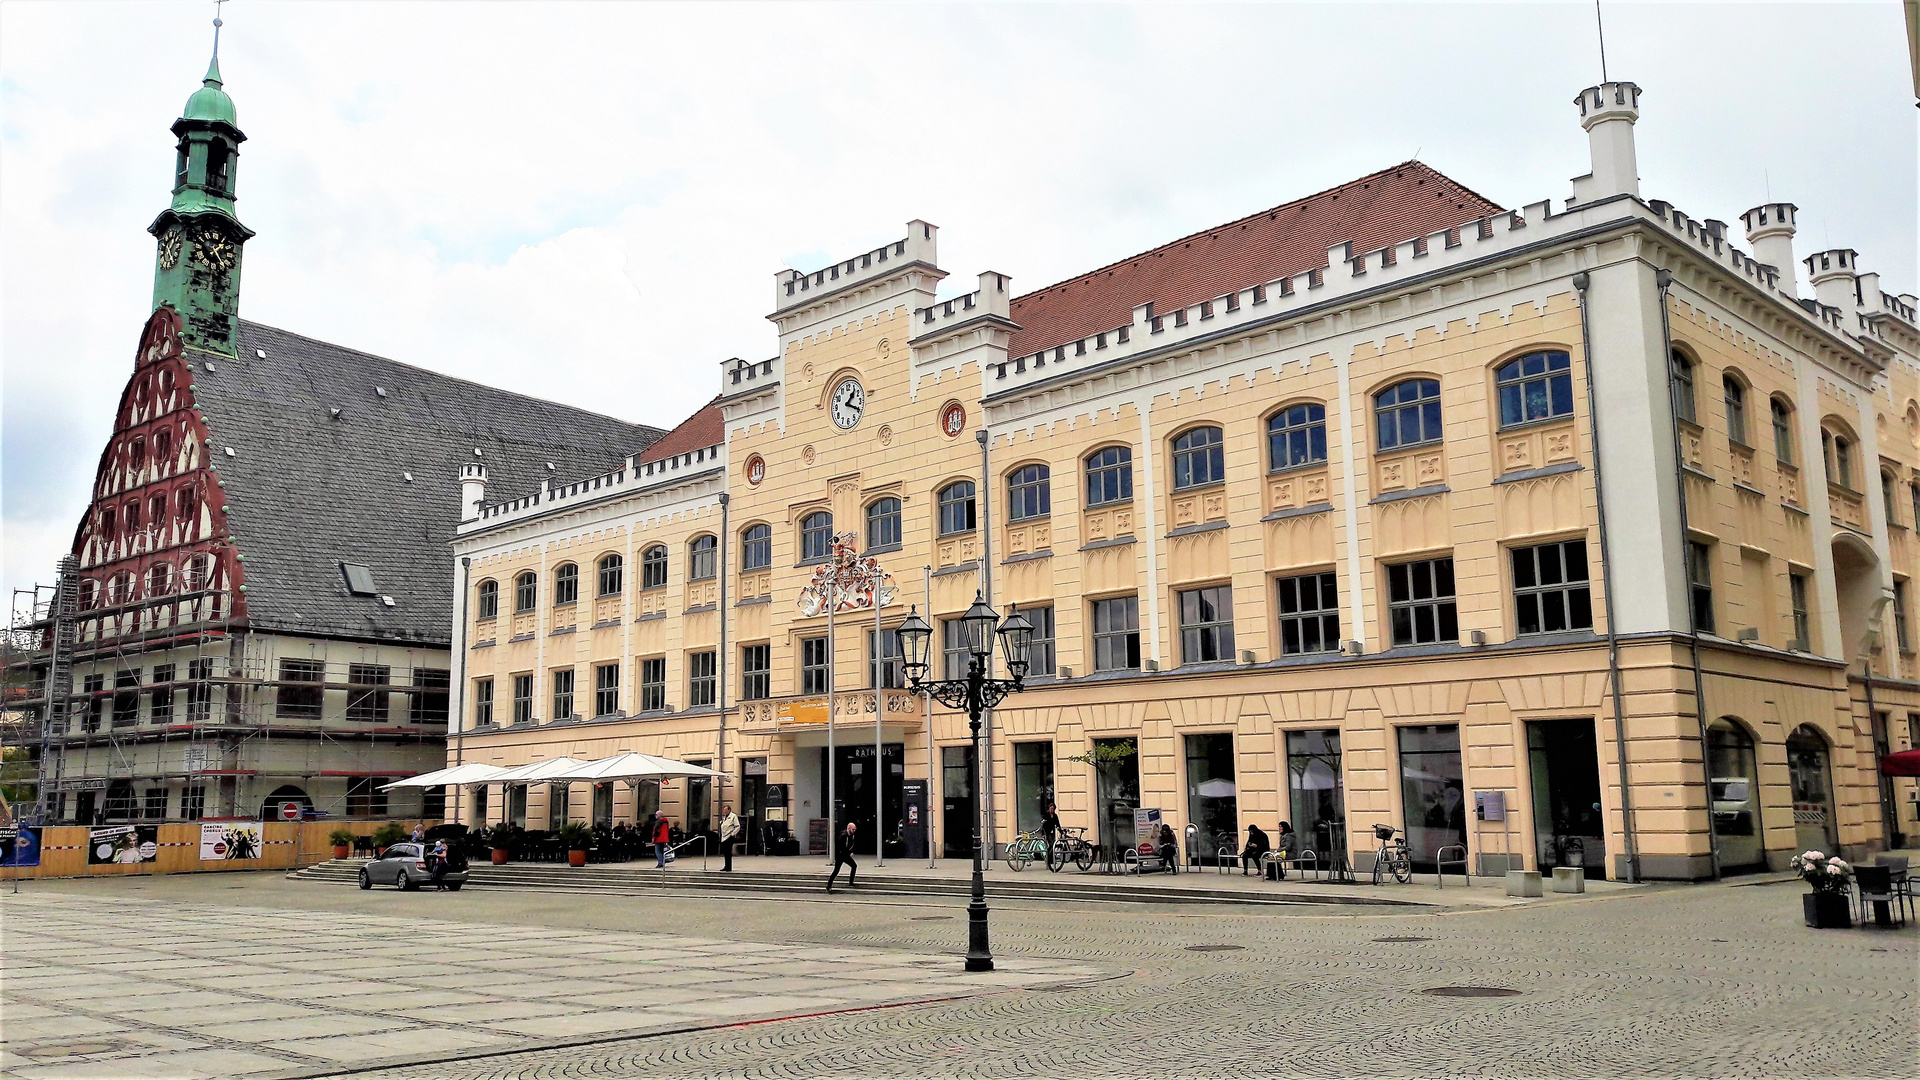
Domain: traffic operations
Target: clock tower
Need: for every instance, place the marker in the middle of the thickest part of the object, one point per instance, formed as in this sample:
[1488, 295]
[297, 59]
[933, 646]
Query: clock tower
[197, 265]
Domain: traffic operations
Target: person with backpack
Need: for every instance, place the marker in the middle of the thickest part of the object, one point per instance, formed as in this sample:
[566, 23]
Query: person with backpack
[843, 853]
[662, 839]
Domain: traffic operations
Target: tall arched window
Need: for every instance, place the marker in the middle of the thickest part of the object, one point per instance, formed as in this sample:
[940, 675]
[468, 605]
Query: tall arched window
[816, 536]
[566, 584]
[1734, 394]
[1110, 476]
[1838, 451]
[703, 562]
[1296, 436]
[883, 523]
[199, 573]
[612, 574]
[487, 603]
[1408, 414]
[1538, 386]
[526, 592]
[1199, 458]
[653, 567]
[1782, 431]
[186, 504]
[1029, 492]
[1683, 387]
[162, 448]
[1886, 499]
[756, 547]
[956, 508]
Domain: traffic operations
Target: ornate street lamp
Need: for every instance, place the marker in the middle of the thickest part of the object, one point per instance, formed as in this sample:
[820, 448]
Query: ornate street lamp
[976, 694]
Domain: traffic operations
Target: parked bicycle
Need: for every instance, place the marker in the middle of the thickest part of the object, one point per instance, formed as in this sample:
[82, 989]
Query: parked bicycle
[1025, 848]
[1392, 855]
[1071, 846]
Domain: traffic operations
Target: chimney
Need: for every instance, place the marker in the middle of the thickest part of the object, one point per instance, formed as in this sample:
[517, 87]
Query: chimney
[473, 490]
[1867, 288]
[1608, 112]
[1831, 275]
[1770, 231]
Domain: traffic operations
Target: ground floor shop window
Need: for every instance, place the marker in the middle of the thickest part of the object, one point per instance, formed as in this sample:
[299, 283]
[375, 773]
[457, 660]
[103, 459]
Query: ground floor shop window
[1812, 779]
[1432, 792]
[558, 796]
[603, 805]
[956, 798]
[1563, 761]
[1318, 792]
[699, 808]
[517, 805]
[1032, 784]
[479, 814]
[1212, 797]
[1117, 792]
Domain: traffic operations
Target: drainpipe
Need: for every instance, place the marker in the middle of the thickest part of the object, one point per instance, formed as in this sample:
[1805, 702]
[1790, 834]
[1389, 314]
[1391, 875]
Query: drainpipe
[457, 692]
[1581, 281]
[725, 555]
[1663, 280]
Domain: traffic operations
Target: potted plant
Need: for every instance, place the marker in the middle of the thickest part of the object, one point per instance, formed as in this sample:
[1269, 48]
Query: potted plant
[1827, 907]
[388, 835]
[576, 838]
[342, 841]
[499, 836]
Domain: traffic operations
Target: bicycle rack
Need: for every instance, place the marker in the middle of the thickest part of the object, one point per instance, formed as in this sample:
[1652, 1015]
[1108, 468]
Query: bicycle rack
[1441, 862]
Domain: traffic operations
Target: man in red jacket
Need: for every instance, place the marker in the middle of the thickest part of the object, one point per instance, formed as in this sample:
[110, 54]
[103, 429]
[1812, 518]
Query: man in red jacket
[662, 839]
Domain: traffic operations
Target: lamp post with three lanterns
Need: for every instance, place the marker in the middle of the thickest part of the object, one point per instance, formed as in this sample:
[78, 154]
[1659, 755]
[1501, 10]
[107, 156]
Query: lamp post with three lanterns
[976, 693]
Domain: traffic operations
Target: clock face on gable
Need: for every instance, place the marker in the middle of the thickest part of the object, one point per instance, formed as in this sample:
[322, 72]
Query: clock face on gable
[848, 402]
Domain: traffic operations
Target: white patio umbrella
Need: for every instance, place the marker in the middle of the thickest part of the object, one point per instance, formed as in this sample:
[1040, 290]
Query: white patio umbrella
[538, 772]
[632, 767]
[460, 775]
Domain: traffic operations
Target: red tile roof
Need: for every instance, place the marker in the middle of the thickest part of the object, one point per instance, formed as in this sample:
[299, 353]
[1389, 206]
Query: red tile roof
[702, 429]
[1388, 207]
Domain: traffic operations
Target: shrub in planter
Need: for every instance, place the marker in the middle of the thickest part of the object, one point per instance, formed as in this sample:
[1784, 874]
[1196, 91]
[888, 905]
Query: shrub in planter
[576, 838]
[342, 841]
[499, 838]
[1827, 907]
[389, 834]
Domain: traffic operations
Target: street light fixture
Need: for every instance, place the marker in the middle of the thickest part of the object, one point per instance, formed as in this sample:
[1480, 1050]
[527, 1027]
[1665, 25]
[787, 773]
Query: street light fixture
[976, 693]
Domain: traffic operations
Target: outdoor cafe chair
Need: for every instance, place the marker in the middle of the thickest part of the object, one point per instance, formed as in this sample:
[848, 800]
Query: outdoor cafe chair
[1902, 881]
[1874, 885]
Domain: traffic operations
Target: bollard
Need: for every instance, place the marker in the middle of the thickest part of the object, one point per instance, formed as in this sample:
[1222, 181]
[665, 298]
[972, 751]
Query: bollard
[1569, 879]
[1523, 883]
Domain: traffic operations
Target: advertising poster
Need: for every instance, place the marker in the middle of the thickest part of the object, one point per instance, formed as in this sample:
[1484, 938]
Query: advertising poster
[1146, 828]
[19, 845]
[123, 844]
[220, 840]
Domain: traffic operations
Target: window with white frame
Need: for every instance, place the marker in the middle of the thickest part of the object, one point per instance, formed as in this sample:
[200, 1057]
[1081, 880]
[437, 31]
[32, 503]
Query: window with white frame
[1029, 493]
[1297, 436]
[1537, 386]
[1110, 476]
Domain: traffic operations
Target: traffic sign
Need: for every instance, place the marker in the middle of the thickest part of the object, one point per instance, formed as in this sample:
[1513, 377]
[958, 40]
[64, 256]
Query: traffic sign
[290, 811]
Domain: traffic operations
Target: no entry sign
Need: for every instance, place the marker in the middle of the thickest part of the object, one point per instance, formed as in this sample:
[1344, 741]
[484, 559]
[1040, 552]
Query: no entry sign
[290, 811]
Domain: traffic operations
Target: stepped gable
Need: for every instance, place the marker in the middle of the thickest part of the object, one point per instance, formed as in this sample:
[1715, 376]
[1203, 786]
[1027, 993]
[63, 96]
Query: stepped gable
[703, 429]
[306, 490]
[1389, 207]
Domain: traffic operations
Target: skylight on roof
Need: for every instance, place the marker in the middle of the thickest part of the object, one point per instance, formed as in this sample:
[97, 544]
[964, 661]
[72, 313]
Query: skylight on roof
[359, 579]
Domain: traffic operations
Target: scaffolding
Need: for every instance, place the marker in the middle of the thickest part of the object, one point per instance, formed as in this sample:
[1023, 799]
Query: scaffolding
[227, 714]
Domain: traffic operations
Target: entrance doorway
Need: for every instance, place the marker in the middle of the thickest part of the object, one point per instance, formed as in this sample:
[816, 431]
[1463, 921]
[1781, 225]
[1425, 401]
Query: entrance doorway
[1733, 777]
[1318, 796]
[1567, 824]
[1889, 806]
[753, 801]
[1432, 791]
[1117, 789]
[854, 781]
[1807, 765]
[956, 801]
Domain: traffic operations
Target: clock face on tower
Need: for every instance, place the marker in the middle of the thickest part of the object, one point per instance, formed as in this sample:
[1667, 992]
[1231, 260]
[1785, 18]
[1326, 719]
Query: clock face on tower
[170, 249]
[849, 401]
[214, 251]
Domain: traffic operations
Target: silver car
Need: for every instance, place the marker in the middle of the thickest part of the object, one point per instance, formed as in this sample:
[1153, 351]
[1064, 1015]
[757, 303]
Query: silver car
[405, 866]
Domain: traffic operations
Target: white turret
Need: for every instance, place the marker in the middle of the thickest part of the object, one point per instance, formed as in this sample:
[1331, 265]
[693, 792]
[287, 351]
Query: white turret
[1831, 275]
[473, 490]
[1770, 228]
[1608, 112]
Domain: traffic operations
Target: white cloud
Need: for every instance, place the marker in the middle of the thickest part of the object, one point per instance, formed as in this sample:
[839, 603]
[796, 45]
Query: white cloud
[588, 201]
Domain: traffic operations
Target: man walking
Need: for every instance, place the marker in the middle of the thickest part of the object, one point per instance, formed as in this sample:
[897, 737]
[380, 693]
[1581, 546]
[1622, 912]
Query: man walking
[729, 831]
[662, 839]
[843, 853]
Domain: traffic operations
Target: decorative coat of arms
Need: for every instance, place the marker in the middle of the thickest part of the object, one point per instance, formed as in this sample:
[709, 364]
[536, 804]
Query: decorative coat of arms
[856, 582]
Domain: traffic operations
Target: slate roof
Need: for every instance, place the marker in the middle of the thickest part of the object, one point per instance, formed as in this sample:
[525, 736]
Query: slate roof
[306, 491]
[1387, 207]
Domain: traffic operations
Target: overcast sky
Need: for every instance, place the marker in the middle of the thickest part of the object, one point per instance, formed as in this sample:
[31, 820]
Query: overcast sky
[588, 202]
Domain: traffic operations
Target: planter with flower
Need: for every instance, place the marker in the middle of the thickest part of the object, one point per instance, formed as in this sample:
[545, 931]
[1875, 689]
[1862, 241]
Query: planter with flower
[1828, 906]
[342, 841]
[500, 839]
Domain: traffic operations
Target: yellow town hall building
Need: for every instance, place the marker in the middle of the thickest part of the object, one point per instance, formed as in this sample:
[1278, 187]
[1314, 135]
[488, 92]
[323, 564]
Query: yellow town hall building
[1314, 522]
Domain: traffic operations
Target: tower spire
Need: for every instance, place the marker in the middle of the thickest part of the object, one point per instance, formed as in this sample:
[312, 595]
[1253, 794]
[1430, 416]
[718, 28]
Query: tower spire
[213, 68]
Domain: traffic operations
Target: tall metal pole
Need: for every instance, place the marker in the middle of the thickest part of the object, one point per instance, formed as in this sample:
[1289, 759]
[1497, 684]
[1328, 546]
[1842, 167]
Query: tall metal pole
[979, 953]
[724, 554]
[879, 748]
[984, 745]
[933, 853]
[457, 692]
[832, 824]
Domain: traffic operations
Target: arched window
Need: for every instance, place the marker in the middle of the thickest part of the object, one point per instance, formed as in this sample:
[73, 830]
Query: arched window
[1838, 451]
[613, 574]
[1029, 492]
[1886, 498]
[89, 594]
[703, 563]
[653, 567]
[1296, 436]
[1110, 476]
[109, 519]
[956, 508]
[132, 520]
[566, 584]
[186, 504]
[1199, 458]
[1408, 414]
[198, 574]
[1782, 431]
[526, 592]
[1538, 386]
[1683, 386]
[162, 448]
[816, 536]
[139, 452]
[883, 523]
[157, 511]
[488, 601]
[756, 547]
[119, 588]
[159, 579]
[1735, 395]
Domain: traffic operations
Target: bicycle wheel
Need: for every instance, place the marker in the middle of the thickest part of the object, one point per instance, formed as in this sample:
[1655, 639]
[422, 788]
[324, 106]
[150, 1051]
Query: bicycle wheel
[1083, 857]
[1402, 867]
[1057, 857]
[1018, 860]
[1379, 867]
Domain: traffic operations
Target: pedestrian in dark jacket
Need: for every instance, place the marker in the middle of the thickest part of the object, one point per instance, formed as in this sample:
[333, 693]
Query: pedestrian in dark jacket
[662, 839]
[843, 853]
[1169, 849]
[1287, 844]
[1256, 846]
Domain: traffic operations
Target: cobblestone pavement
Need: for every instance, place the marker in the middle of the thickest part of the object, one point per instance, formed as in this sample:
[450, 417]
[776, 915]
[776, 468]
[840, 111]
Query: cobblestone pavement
[1709, 981]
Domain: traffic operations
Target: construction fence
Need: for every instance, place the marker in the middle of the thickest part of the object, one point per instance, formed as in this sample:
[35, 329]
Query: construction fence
[70, 851]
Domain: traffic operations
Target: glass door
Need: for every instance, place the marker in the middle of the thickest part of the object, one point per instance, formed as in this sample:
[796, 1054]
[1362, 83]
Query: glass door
[1734, 781]
[1318, 793]
[1812, 790]
[1567, 824]
[1432, 792]
[753, 798]
[1213, 803]
[1117, 789]
[956, 801]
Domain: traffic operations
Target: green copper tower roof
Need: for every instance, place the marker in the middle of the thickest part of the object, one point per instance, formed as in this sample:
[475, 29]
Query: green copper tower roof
[210, 102]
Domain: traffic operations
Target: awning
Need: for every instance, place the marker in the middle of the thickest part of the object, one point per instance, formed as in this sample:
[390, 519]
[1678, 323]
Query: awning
[538, 772]
[633, 767]
[1904, 763]
[471, 773]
